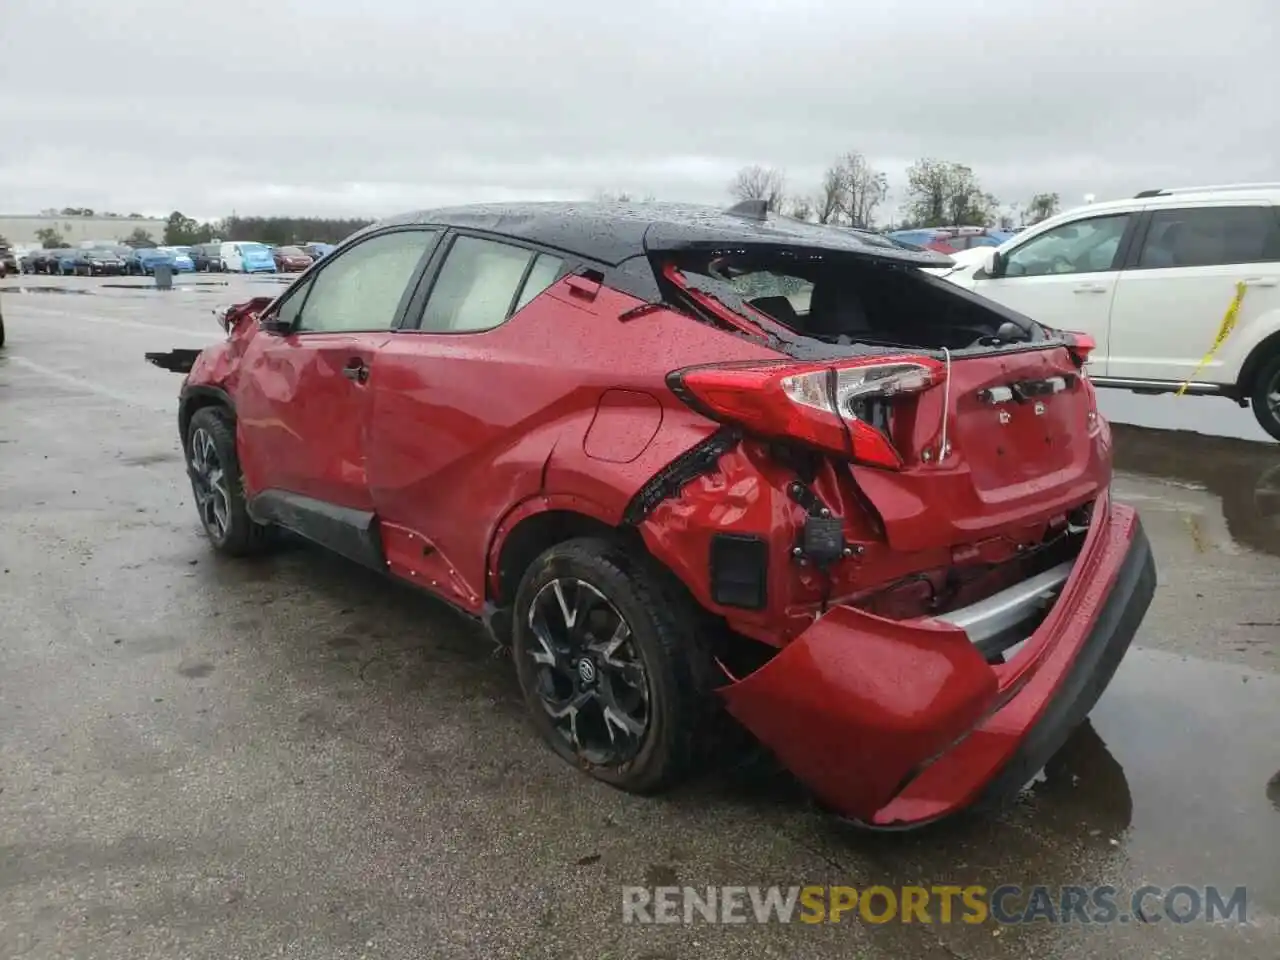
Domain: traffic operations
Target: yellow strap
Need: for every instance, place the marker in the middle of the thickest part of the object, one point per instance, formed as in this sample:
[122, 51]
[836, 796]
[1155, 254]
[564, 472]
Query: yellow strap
[1228, 324]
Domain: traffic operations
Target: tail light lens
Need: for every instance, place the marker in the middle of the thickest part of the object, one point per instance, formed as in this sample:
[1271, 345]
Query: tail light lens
[813, 403]
[1079, 345]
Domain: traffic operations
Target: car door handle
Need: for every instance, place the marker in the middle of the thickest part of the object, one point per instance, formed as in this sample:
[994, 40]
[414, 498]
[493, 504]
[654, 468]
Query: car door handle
[1091, 288]
[1262, 281]
[356, 369]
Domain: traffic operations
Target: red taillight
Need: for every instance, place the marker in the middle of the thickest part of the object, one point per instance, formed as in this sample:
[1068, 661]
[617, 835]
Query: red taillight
[813, 403]
[1080, 345]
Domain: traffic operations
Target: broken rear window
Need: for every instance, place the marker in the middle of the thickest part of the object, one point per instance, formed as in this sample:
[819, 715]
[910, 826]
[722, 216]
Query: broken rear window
[850, 300]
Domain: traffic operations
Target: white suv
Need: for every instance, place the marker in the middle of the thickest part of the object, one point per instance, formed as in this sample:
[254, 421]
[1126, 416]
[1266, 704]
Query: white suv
[1151, 280]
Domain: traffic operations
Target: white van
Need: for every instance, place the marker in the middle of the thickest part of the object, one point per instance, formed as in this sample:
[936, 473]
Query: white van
[244, 256]
[1179, 289]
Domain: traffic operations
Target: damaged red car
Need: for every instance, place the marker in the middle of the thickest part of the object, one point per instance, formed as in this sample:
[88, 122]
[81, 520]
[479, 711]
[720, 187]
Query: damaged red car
[687, 461]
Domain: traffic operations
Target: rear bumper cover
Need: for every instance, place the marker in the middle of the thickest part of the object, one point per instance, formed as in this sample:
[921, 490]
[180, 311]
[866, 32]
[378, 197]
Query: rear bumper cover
[899, 723]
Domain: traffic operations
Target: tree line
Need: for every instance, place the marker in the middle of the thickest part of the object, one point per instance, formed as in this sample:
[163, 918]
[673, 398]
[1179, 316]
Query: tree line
[181, 230]
[938, 193]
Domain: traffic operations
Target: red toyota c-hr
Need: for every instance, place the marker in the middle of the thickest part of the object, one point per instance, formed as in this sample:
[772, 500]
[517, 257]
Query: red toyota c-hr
[683, 459]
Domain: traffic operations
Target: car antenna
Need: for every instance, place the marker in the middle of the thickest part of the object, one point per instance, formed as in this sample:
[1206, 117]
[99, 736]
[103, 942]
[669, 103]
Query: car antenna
[751, 209]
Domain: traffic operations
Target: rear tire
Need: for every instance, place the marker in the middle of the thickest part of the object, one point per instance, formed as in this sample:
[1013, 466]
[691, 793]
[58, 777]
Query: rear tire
[1266, 396]
[632, 715]
[214, 469]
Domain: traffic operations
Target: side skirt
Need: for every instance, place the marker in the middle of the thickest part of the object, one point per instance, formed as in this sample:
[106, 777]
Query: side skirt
[351, 533]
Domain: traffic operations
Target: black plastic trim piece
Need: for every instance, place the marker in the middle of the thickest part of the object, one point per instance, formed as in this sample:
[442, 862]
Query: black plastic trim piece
[178, 360]
[739, 571]
[668, 482]
[351, 533]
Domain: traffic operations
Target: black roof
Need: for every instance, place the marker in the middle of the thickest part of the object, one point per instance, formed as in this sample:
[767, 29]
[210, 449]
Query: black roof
[611, 232]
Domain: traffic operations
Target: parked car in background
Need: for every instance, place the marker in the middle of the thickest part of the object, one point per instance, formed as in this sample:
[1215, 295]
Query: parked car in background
[317, 250]
[144, 260]
[102, 262]
[207, 258]
[248, 257]
[46, 261]
[291, 259]
[1151, 279]
[181, 257]
[8, 262]
[72, 263]
[738, 461]
[951, 239]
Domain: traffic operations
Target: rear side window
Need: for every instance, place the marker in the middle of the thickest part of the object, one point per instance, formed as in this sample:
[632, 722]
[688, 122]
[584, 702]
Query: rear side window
[1210, 236]
[484, 282]
[361, 289]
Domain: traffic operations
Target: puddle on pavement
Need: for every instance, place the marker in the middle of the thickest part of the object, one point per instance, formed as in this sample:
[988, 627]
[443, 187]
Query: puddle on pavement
[1245, 476]
[68, 290]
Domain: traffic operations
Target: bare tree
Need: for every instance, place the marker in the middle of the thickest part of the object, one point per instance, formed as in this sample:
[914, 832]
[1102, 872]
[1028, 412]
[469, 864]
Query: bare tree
[801, 208]
[864, 189]
[829, 202]
[759, 183]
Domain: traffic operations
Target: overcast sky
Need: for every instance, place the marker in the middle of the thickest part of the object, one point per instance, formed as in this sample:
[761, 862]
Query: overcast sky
[334, 107]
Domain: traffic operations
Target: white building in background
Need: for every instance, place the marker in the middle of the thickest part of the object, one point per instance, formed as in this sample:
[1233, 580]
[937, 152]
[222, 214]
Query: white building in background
[23, 231]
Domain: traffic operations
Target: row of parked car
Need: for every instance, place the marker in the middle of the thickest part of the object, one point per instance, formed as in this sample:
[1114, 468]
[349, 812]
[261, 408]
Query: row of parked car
[119, 260]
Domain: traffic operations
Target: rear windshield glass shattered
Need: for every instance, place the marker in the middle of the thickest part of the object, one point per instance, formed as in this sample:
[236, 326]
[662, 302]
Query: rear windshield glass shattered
[843, 300]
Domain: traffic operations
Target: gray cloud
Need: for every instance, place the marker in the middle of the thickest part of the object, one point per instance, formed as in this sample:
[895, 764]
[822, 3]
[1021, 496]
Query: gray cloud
[321, 106]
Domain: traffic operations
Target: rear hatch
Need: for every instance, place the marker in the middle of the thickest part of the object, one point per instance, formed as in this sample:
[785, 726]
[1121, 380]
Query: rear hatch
[957, 417]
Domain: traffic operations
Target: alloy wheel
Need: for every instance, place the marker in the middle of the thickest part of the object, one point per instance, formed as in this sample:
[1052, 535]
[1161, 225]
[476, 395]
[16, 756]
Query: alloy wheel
[1273, 395]
[590, 676]
[209, 481]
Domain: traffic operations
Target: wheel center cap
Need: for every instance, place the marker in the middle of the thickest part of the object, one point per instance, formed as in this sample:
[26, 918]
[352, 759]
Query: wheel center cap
[586, 671]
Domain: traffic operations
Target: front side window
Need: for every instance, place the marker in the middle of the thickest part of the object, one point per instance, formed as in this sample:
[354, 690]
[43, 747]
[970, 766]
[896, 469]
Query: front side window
[484, 282]
[1085, 246]
[362, 288]
[1210, 236]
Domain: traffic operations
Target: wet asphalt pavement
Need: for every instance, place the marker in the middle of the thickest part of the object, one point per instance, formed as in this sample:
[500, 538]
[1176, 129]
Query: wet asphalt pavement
[293, 757]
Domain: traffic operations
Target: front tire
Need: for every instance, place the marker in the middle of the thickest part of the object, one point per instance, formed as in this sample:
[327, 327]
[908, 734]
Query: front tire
[1266, 396]
[214, 469]
[608, 658]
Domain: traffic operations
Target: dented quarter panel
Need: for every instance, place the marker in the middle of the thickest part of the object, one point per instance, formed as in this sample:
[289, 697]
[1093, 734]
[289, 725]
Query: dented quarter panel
[469, 427]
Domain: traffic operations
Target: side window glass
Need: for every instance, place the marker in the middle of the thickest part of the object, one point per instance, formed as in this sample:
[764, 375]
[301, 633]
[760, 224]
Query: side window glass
[1210, 236]
[292, 305]
[362, 288]
[546, 270]
[1085, 246]
[478, 285]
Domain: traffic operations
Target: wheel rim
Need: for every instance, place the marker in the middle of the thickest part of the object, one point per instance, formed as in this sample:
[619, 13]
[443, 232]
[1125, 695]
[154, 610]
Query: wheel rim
[209, 480]
[588, 672]
[1273, 396]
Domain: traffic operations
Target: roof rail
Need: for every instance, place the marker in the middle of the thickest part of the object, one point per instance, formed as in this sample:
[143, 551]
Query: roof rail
[1211, 188]
[750, 209]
